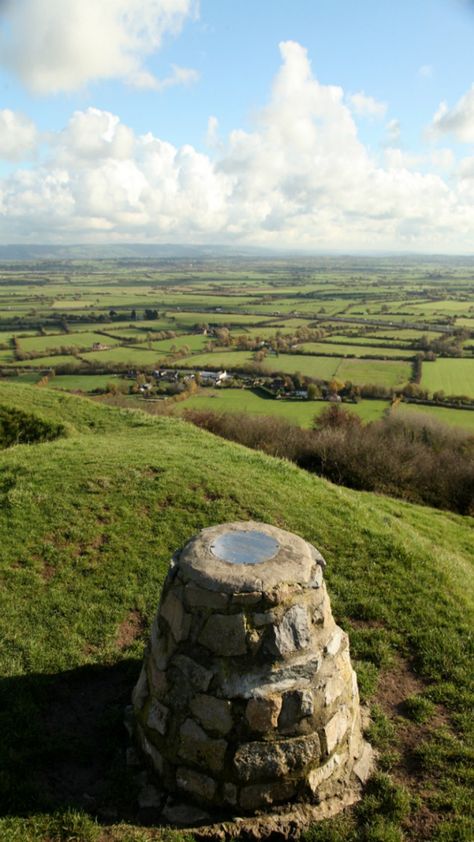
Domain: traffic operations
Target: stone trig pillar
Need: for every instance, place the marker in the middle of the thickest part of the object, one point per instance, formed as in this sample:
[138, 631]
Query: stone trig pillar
[247, 698]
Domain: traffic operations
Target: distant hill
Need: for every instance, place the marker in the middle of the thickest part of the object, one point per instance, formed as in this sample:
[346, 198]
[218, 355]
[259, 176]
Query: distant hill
[88, 524]
[126, 250]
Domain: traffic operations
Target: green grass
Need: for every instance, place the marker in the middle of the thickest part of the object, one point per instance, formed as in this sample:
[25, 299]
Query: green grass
[130, 355]
[298, 412]
[78, 340]
[330, 347]
[48, 362]
[88, 524]
[453, 417]
[452, 376]
[85, 382]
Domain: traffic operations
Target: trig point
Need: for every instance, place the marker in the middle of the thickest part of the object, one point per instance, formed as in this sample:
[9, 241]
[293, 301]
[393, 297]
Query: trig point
[247, 701]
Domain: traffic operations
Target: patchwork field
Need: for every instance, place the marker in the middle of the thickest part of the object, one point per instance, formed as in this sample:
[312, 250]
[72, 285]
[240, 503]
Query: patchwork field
[452, 376]
[297, 411]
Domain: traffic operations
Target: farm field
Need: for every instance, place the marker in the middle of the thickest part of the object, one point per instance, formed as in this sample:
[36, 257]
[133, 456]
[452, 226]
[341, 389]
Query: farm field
[463, 418]
[296, 411]
[329, 347]
[79, 340]
[452, 376]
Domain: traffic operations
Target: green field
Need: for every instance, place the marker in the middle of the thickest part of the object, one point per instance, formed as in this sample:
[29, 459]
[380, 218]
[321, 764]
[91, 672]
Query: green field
[87, 529]
[85, 339]
[297, 411]
[463, 418]
[452, 376]
[330, 347]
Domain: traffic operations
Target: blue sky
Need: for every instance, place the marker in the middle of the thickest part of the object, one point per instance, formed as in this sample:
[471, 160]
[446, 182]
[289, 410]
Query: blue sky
[356, 101]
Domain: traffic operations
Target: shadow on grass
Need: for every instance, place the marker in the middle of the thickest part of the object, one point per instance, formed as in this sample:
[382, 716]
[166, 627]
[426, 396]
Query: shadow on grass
[63, 742]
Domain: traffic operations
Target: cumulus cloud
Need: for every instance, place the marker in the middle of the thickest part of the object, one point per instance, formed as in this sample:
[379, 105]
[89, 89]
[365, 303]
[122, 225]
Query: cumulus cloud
[62, 45]
[367, 106]
[458, 121]
[18, 135]
[302, 177]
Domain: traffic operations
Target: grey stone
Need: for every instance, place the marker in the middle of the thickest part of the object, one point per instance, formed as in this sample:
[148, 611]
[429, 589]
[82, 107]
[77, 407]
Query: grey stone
[364, 766]
[151, 752]
[335, 642]
[162, 647]
[264, 795]
[157, 680]
[198, 676]
[262, 713]
[178, 621]
[158, 717]
[317, 776]
[131, 757]
[195, 746]
[260, 761]
[297, 704]
[200, 565]
[264, 618]
[214, 714]
[184, 815]
[336, 728]
[333, 689]
[202, 598]
[197, 784]
[293, 633]
[247, 685]
[225, 634]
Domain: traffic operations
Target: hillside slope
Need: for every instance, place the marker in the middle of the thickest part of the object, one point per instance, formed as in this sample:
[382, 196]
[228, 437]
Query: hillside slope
[88, 524]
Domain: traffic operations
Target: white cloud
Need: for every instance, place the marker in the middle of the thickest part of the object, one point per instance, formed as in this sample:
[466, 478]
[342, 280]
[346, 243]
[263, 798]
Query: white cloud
[62, 45]
[18, 135]
[302, 178]
[392, 133]
[458, 121]
[178, 76]
[366, 106]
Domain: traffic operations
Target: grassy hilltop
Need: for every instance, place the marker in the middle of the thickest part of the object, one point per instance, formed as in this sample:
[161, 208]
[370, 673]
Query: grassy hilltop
[88, 523]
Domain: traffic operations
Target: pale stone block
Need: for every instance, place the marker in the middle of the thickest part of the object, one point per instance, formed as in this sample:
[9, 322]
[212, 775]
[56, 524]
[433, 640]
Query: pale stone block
[158, 717]
[173, 612]
[197, 784]
[225, 634]
[197, 747]
[262, 713]
[336, 728]
[322, 773]
[214, 714]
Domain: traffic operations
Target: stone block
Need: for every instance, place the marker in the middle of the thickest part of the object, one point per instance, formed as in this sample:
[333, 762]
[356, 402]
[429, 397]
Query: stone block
[296, 705]
[214, 714]
[149, 797]
[157, 679]
[246, 600]
[151, 752]
[335, 642]
[263, 618]
[197, 597]
[317, 776]
[199, 785]
[260, 761]
[178, 621]
[293, 633]
[264, 795]
[157, 717]
[262, 713]
[198, 676]
[225, 635]
[336, 728]
[140, 691]
[196, 747]
[364, 766]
